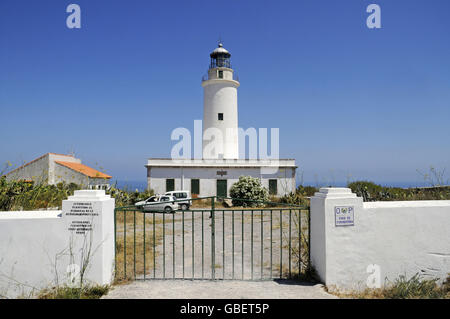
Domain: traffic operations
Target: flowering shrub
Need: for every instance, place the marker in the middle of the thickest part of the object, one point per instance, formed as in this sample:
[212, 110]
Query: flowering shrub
[248, 188]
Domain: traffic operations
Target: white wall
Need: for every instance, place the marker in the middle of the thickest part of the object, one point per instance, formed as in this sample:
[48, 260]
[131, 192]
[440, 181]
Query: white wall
[64, 174]
[402, 238]
[208, 178]
[44, 169]
[34, 246]
[36, 170]
[53, 179]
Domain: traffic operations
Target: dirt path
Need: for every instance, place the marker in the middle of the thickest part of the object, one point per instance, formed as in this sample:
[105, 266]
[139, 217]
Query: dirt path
[186, 252]
[243, 249]
[206, 289]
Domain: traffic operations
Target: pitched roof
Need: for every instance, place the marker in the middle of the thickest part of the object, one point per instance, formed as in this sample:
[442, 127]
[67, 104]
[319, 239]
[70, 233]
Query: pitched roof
[83, 169]
[35, 160]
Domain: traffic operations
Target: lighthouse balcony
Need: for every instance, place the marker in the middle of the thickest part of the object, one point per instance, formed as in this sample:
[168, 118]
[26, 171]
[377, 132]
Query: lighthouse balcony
[220, 74]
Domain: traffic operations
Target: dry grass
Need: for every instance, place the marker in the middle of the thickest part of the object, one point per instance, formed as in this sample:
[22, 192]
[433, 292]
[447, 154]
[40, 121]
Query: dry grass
[402, 288]
[130, 253]
[65, 292]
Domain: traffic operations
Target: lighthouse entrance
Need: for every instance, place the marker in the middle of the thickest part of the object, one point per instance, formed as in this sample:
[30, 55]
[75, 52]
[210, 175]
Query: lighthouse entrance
[212, 242]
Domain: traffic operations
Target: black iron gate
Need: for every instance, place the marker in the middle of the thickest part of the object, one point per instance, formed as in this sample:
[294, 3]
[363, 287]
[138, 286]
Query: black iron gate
[258, 243]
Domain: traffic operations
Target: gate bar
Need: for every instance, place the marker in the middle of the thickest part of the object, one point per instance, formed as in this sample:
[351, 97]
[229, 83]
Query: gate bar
[223, 244]
[271, 215]
[232, 241]
[145, 269]
[203, 257]
[182, 236]
[164, 245]
[262, 241]
[173, 245]
[193, 264]
[154, 248]
[290, 242]
[125, 244]
[242, 243]
[281, 244]
[213, 240]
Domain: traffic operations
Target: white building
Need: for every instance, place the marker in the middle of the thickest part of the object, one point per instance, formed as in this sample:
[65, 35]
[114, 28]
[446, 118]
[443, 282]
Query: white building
[221, 166]
[54, 168]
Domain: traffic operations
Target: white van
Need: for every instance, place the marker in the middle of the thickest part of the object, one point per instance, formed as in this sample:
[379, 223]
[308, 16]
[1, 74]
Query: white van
[179, 195]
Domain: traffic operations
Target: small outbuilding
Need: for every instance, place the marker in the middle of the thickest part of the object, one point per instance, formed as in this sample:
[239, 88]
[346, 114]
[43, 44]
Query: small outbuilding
[54, 168]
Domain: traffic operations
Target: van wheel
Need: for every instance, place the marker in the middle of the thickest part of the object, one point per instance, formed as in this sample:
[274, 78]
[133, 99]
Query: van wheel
[184, 207]
[168, 209]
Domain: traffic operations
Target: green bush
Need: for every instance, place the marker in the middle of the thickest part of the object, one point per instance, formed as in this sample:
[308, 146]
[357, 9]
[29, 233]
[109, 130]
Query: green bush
[20, 195]
[250, 189]
[372, 192]
[414, 287]
[65, 292]
[300, 196]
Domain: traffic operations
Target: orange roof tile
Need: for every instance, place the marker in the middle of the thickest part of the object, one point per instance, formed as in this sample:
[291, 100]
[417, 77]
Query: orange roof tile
[83, 169]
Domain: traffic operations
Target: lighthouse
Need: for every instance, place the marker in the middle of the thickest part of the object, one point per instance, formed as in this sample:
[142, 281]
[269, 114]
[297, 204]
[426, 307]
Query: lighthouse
[220, 108]
[220, 166]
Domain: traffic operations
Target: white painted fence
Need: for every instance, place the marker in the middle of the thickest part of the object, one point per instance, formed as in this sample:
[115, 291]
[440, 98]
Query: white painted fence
[386, 240]
[43, 248]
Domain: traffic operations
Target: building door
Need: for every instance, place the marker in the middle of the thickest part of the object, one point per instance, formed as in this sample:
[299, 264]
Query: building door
[221, 188]
[170, 185]
[195, 186]
[273, 189]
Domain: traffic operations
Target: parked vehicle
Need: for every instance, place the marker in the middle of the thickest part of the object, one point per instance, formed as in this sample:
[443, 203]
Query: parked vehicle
[182, 195]
[158, 203]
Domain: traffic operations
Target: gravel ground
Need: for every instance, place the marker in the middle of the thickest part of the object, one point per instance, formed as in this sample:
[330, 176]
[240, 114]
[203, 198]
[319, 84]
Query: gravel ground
[206, 289]
[234, 256]
[231, 239]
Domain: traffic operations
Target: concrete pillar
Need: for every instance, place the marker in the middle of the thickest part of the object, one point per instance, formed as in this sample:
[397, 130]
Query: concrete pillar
[89, 224]
[330, 246]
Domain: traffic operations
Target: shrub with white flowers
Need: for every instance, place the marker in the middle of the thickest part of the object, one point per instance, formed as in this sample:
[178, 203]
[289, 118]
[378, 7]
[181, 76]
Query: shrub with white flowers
[248, 188]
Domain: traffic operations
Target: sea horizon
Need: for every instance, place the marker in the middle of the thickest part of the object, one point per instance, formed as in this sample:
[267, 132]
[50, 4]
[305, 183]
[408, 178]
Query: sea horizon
[133, 185]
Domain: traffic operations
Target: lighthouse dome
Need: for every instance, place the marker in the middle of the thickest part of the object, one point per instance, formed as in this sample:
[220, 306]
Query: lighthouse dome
[220, 51]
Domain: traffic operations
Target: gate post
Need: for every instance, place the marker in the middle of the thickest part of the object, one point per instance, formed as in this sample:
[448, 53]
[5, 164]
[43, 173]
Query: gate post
[89, 221]
[213, 240]
[328, 238]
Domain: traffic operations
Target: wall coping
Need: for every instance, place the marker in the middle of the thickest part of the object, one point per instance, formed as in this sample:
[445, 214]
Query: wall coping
[89, 195]
[29, 214]
[334, 192]
[416, 203]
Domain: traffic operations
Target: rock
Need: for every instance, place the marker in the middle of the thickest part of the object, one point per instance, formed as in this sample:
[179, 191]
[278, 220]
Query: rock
[227, 202]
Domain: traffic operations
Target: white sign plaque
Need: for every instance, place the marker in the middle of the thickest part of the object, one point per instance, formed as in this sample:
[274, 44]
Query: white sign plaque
[344, 216]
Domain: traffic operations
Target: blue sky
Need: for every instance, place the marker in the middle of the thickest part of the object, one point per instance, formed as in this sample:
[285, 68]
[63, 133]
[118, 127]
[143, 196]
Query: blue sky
[373, 104]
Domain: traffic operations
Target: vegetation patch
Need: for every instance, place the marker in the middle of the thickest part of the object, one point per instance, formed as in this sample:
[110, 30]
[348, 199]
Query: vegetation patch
[371, 192]
[21, 195]
[66, 292]
[402, 288]
[248, 192]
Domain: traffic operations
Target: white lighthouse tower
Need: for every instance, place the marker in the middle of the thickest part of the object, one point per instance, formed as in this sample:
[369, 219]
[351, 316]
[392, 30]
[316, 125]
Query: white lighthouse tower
[220, 110]
[220, 167]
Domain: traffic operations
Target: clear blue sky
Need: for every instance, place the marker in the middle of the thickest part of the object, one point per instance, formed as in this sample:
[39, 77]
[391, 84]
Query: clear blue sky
[348, 100]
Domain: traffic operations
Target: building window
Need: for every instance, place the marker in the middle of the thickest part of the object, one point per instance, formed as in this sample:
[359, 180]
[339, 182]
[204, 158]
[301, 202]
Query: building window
[195, 186]
[220, 116]
[220, 74]
[170, 184]
[273, 189]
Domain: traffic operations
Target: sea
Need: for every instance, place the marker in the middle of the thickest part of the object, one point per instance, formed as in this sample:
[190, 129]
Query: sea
[141, 186]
